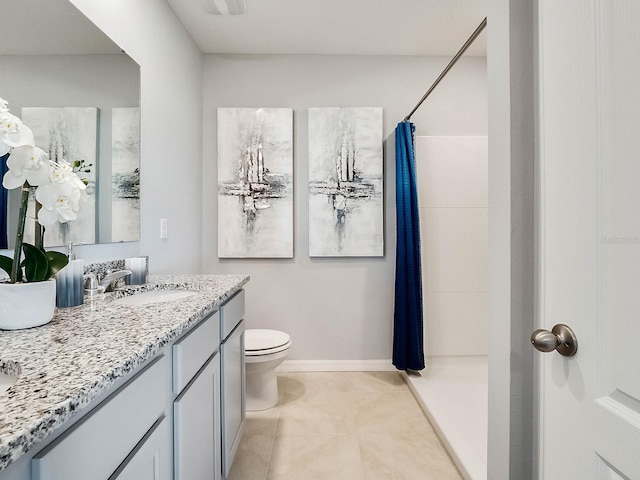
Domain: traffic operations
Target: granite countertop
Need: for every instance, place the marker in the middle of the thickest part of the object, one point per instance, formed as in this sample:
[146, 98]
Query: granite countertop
[67, 363]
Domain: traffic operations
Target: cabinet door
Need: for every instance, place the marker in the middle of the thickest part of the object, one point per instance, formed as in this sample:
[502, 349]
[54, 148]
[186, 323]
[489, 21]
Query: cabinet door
[197, 426]
[233, 395]
[151, 460]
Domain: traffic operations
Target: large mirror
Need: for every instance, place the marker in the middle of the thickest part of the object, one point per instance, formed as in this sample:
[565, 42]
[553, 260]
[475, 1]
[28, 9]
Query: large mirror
[80, 94]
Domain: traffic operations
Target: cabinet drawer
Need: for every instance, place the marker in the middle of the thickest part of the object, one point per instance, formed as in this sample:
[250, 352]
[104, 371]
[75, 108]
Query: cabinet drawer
[192, 351]
[231, 313]
[101, 441]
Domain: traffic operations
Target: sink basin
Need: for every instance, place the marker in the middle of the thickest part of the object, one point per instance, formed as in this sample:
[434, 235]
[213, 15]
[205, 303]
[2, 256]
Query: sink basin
[154, 296]
[6, 381]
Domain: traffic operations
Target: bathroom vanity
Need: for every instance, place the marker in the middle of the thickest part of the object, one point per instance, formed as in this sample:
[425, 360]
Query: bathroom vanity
[149, 389]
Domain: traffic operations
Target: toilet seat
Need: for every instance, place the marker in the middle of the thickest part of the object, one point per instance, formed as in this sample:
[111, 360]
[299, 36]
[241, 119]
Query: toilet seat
[259, 342]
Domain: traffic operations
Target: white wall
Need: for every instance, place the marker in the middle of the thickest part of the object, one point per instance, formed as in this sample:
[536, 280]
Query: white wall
[510, 54]
[334, 309]
[452, 176]
[171, 131]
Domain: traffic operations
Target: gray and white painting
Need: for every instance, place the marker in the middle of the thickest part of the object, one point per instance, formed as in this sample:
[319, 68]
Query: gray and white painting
[255, 183]
[125, 174]
[68, 133]
[345, 182]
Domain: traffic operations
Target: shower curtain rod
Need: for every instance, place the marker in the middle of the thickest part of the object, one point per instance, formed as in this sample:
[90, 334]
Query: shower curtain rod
[466, 45]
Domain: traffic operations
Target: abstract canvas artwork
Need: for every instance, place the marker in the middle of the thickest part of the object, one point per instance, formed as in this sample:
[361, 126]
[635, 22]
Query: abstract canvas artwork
[125, 174]
[255, 183]
[345, 182]
[68, 133]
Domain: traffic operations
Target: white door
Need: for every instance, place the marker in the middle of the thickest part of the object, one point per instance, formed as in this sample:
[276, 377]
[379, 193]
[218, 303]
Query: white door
[589, 178]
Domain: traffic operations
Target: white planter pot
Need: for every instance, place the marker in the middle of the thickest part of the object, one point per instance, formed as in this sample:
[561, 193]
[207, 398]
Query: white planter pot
[26, 305]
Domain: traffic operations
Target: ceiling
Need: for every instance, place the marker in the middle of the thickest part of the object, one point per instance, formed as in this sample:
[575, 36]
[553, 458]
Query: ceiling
[330, 27]
[51, 27]
[337, 27]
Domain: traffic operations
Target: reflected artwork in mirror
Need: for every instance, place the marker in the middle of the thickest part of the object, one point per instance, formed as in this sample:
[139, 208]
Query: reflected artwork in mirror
[67, 134]
[125, 174]
[65, 63]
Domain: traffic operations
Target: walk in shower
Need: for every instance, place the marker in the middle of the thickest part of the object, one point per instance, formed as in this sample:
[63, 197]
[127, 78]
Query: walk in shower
[452, 177]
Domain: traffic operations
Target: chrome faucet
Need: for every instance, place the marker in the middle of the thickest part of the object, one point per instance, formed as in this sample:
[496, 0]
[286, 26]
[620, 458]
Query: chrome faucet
[110, 280]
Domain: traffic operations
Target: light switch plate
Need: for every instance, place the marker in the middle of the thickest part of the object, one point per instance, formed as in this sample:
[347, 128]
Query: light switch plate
[163, 228]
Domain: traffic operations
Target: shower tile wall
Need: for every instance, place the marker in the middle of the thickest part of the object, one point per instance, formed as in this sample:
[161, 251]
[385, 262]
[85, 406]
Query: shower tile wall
[452, 177]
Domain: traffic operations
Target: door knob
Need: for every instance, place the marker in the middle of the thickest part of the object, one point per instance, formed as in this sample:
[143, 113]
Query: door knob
[560, 338]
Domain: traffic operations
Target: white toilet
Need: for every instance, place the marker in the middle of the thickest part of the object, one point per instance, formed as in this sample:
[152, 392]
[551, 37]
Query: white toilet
[264, 351]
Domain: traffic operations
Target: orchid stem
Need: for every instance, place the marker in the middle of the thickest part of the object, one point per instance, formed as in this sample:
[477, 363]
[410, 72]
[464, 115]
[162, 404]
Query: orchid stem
[17, 254]
[39, 229]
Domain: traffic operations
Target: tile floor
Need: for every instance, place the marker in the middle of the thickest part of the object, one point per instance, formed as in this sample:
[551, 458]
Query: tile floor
[342, 426]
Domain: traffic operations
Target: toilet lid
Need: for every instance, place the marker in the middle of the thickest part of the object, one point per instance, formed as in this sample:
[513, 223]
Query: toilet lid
[256, 340]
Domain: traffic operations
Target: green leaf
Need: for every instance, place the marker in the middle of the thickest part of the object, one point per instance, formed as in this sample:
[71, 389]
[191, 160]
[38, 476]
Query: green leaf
[6, 263]
[36, 265]
[57, 261]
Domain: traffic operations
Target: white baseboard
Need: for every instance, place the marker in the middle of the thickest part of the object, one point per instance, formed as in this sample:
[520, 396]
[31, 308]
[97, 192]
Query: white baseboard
[336, 366]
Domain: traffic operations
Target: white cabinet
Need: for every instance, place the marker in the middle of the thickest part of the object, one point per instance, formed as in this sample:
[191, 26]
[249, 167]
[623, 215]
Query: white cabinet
[193, 350]
[233, 395]
[104, 438]
[179, 418]
[209, 409]
[233, 378]
[196, 409]
[196, 434]
[151, 459]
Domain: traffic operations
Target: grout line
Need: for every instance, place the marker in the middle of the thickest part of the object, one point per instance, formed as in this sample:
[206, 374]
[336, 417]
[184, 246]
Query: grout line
[275, 433]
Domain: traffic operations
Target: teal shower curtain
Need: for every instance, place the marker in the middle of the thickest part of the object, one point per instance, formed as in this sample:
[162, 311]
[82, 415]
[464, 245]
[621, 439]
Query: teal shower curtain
[408, 350]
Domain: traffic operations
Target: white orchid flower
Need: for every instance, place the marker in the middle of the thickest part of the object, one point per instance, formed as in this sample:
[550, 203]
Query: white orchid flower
[26, 164]
[62, 171]
[14, 133]
[60, 202]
